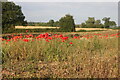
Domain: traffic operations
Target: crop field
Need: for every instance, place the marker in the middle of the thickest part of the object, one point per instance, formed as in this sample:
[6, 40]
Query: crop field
[48, 27]
[61, 55]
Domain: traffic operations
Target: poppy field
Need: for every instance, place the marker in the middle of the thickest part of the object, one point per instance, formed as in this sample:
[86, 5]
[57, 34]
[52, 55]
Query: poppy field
[61, 55]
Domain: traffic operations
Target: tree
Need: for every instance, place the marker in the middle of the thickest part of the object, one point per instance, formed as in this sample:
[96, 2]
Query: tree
[67, 23]
[83, 25]
[98, 24]
[11, 16]
[112, 23]
[51, 23]
[56, 24]
[90, 22]
[106, 22]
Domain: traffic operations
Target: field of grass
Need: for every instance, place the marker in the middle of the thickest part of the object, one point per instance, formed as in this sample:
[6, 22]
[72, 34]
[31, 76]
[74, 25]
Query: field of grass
[61, 55]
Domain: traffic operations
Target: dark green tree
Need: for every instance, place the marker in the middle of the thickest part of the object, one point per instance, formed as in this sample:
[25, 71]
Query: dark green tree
[106, 22]
[67, 23]
[12, 16]
[56, 24]
[112, 23]
[51, 23]
[83, 25]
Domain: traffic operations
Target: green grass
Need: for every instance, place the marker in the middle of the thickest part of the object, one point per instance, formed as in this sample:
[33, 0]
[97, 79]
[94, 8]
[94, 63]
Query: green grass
[85, 58]
[89, 30]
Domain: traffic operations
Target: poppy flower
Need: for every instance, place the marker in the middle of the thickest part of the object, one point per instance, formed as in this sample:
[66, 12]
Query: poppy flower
[47, 40]
[70, 43]
[25, 40]
[26, 30]
[64, 38]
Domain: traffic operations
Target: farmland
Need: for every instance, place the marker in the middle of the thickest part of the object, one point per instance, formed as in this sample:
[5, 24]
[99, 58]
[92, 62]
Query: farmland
[48, 27]
[61, 55]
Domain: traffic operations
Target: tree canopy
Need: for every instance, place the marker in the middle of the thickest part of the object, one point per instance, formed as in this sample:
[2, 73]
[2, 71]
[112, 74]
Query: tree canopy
[67, 23]
[12, 15]
[108, 23]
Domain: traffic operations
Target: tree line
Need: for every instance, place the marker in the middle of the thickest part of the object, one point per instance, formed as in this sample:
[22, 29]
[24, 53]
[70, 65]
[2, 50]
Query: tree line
[12, 16]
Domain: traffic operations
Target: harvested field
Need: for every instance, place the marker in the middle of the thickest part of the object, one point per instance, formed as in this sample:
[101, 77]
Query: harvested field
[47, 27]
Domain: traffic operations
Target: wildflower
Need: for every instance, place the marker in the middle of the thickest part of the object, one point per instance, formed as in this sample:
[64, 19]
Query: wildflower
[70, 43]
[61, 35]
[25, 40]
[47, 40]
[8, 40]
[26, 30]
[75, 37]
[64, 38]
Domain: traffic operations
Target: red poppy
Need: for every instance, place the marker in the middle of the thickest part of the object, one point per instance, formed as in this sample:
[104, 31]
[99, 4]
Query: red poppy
[47, 40]
[8, 40]
[70, 43]
[75, 37]
[64, 38]
[26, 30]
[25, 40]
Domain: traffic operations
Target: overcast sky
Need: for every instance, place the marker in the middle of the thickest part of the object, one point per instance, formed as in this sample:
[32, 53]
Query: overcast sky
[65, 0]
[38, 11]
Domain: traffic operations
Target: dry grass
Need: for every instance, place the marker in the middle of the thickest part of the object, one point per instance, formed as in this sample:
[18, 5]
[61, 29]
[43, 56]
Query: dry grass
[45, 27]
[33, 27]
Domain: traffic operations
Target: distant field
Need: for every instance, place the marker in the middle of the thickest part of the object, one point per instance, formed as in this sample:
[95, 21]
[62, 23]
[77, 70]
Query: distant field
[33, 27]
[45, 27]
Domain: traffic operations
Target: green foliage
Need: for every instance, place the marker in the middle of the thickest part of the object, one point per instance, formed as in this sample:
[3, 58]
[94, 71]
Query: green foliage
[77, 26]
[51, 23]
[67, 23]
[89, 30]
[98, 24]
[30, 30]
[54, 59]
[91, 23]
[56, 24]
[83, 25]
[108, 23]
[11, 16]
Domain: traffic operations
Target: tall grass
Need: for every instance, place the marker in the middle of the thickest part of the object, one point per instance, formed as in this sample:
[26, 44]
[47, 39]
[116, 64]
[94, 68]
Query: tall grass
[85, 58]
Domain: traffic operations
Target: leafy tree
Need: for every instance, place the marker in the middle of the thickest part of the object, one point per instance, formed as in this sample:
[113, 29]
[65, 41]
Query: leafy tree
[83, 25]
[67, 23]
[98, 24]
[108, 23]
[77, 25]
[56, 24]
[112, 23]
[11, 16]
[90, 22]
[51, 23]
